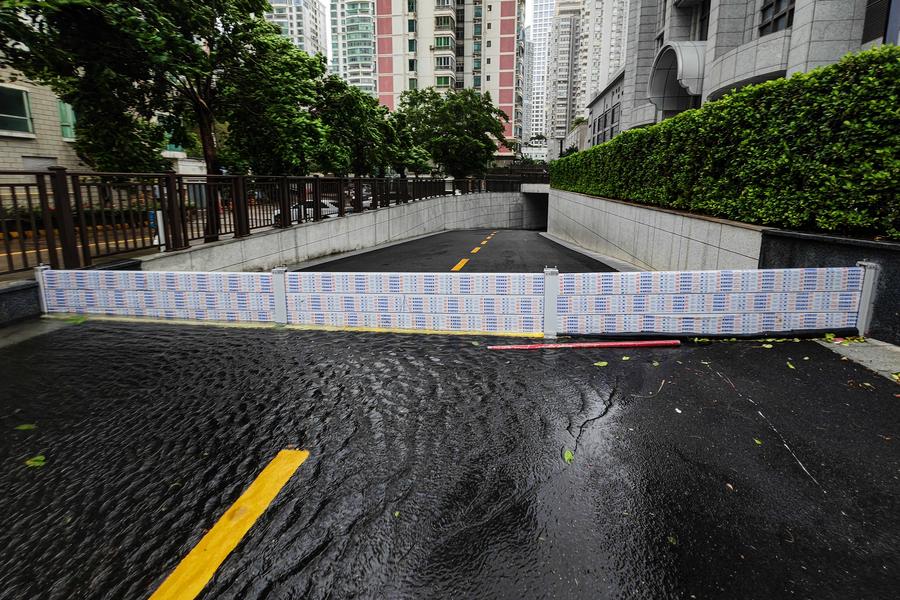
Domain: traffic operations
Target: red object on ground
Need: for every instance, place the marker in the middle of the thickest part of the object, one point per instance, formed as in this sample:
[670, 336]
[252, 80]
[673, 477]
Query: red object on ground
[621, 344]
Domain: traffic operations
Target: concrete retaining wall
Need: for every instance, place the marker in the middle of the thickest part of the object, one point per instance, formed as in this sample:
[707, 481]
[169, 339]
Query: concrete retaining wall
[18, 300]
[270, 248]
[652, 238]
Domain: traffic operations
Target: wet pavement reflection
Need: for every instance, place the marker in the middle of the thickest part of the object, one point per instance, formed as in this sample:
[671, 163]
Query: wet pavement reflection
[438, 468]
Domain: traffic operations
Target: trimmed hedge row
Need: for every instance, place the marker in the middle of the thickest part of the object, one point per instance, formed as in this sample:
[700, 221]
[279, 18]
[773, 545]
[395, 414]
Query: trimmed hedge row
[817, 151]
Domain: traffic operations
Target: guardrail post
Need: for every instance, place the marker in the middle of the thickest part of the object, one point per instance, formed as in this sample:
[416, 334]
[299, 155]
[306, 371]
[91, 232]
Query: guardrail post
[175, 235]
[342, 195]
[82, 225]
[867, 297]
[239, 207]
[551, 295]
[357, 195]
[63, 211]
[284, 201]
[317, 199]
[42, 286]
[279, 289]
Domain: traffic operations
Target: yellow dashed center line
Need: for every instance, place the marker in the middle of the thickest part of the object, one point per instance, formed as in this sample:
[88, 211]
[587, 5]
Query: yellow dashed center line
[484, 242]
[476, 249]
[198, 567]
[458, 266]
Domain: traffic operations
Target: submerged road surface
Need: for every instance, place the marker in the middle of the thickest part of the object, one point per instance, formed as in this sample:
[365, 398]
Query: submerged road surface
[498, 251]
[438, 468]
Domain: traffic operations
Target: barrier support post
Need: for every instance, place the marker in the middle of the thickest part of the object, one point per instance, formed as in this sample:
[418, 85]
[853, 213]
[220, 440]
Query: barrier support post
[280, 291]
[867, 297]
[551, 294]
[42, 289]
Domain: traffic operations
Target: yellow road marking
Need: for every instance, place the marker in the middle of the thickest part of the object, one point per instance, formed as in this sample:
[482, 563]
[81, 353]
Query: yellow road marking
[476, 249]
[458, 266]
[197, 568]
[484, 242]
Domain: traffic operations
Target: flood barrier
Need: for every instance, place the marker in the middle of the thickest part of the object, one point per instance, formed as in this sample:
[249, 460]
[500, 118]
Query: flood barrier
[684, 303]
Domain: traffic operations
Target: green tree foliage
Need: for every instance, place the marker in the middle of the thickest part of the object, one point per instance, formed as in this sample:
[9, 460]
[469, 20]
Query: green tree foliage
[358, 129]
[267, 97]
[138, 58]
[817, 151]
[460, 129]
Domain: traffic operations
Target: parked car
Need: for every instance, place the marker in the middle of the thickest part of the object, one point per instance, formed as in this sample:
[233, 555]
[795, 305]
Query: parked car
[327, 207]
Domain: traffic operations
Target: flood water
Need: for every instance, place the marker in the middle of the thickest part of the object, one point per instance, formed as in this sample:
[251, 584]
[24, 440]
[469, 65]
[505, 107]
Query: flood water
[437, 467]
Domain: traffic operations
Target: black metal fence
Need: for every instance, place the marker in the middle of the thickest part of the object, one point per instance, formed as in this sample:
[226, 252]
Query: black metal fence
[68, 220]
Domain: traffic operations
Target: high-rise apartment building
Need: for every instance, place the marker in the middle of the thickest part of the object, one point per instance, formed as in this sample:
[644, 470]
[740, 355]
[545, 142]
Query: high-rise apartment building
[448, 44]
[353, 42]
[541, 25]
[602, 50]
[563, 73]
[301, 21]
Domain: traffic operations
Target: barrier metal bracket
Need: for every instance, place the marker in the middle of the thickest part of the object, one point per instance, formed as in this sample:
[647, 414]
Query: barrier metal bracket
[867, 297]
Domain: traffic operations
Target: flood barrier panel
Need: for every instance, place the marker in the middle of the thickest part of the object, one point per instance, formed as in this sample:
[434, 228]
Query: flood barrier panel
[684, 303]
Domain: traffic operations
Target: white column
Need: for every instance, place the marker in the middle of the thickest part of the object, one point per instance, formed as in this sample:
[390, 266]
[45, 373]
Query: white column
[280, 291]
[551, 293]
[867, 297]
[42, 290]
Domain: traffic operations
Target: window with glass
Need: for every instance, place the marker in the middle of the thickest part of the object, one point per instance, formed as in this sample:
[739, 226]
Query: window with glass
[412, 64]
[701, 31]
[476, 81]
[443, 62]
[476, 29]
[476, 64]
[413, 84]
[411, 25]
[15, 111]
[777, 15]
[411, 5]
[411, 45]
[443, 41]
[476, 47]
[443, 22]
[443, 81]
[66, 121]
[477, 12]
[488, 44]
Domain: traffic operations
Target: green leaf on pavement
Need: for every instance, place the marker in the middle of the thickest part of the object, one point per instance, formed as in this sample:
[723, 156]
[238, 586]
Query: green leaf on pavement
[601, 363]
[396, 513]
[896, 376]
[655, 363]
[26, 427]
[790, 366]
[76, 320]
[476, 343]
[36, 461]
[758, 441]
[767, 346]
[568, 456]
[626, 358]
[672, 540]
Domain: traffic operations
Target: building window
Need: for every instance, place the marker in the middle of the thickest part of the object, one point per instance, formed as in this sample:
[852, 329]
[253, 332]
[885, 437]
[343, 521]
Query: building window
[489, 8]
[476, 81]
[476, 29]
[411, 45]
[488, 25]
[412, 64]
[15, 111]
[487, 78]
[413, 84]
[444, 22]
[701, 33]
[66, 121]
[476, 47]
[488, 60]
[443, 41]
[777, 15]
[476, 64]
[488, 43]
[478, 12]
[411, 5]
[443, 62]
[443, 81]
[411, 25]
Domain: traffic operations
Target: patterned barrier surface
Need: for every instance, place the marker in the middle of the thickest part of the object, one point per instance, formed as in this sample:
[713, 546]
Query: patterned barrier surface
[488, 302]
[709, 302]
[245, 297]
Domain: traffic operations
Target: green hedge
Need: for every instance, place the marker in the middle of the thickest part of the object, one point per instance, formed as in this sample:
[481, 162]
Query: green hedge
[817, 151]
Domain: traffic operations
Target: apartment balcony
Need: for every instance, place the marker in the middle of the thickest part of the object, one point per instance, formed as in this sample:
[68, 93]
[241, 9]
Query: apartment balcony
[442, 7]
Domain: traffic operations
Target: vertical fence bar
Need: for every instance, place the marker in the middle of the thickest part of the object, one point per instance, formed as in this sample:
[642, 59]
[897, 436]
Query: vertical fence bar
[47, 218]
[358, 195]
[867, 297]
[239, 207]
[341, 194]
[82, 223]
[177, 240]
[317, 198]
[42, 287]
[284, 203]
[63, 212]
[551, 295]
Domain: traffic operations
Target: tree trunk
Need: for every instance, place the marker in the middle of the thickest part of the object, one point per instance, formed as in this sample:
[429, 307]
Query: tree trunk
[205, 122]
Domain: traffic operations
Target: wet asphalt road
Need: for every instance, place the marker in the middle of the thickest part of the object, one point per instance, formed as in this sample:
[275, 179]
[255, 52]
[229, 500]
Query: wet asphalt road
[151, 431]
[508, 251]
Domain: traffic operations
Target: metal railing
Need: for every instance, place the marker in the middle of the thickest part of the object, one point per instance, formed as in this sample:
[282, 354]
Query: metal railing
[68, 219]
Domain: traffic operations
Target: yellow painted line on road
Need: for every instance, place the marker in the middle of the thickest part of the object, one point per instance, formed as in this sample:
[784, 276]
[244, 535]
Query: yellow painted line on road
[476, 249]
[197, 568]
[458, 266]
[484, 242]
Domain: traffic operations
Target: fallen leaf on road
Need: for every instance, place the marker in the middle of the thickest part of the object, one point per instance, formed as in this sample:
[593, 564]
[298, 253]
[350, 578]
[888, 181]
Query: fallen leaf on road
[805, 358]
[729, 487]
[626, 358]
[601, 363]
[656, 364]
[790, 366]
[396, 513]
[703, 362]
[758, 441]
[568, 456]
[36, 461]
[896, 377]
[767, 346]
[78, 320]
[672, 540]
[476, 344]
[25, 427]
[678, 410]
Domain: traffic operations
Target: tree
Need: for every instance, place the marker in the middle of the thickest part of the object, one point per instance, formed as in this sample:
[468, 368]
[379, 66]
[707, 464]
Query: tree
[148, 57]
[358, 129]
[460, 129]
[267, 97]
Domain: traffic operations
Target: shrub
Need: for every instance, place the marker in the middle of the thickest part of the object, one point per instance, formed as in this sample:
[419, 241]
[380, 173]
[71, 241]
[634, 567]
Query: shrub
[817, 151]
